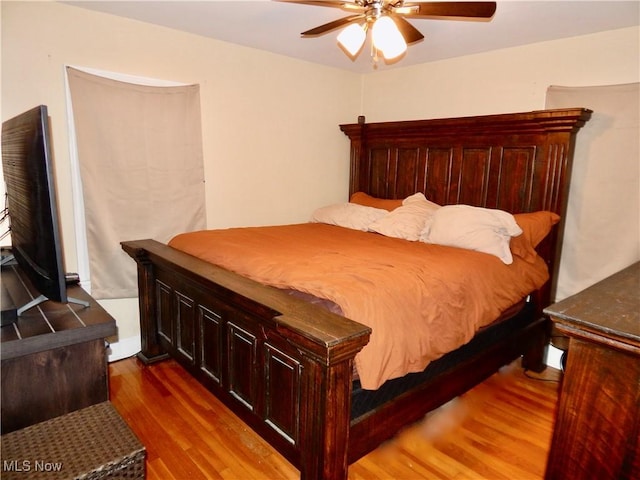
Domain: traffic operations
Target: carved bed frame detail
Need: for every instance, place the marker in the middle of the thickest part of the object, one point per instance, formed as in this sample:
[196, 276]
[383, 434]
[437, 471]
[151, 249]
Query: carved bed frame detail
[285, 366]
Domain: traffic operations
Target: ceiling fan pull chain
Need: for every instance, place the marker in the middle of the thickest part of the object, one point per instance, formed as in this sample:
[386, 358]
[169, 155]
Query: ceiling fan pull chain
[374, 56]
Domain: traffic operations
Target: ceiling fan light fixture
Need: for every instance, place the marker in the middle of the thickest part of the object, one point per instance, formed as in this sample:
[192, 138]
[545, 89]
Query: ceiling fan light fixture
[352, 38]
[387, 38]
[391, 32]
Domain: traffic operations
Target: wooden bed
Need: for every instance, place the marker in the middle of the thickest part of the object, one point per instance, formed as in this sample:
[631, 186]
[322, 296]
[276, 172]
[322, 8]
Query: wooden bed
[285, 366]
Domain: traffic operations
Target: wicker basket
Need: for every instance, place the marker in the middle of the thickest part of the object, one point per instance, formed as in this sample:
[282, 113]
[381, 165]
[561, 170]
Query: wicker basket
[92, 443]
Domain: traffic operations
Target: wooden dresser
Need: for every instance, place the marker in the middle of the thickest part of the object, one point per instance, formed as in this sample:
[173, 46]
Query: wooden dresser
[53, 358]
[598, 423]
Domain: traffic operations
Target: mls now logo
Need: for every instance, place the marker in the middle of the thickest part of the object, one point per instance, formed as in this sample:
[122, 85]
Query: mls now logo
[29, 466]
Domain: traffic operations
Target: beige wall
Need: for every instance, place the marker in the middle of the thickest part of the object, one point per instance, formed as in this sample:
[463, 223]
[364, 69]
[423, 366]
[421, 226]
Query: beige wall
[508, 80]
[272, 148]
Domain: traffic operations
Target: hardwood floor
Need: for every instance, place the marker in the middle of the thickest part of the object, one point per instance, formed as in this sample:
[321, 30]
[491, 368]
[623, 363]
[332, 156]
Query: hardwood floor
[499, 430]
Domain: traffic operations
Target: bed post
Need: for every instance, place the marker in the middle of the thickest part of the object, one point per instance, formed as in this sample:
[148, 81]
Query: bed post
[151, 351]
[357, 135]
[327, 416]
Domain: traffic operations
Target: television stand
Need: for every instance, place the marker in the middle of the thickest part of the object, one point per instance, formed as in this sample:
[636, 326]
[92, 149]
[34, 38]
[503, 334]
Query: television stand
[6, 258]
[53, 358]
[17, 297]
[41, 299]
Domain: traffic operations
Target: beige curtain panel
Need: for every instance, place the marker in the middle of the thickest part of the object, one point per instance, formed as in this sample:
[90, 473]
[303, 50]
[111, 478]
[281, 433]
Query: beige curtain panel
[602, 231]
[140, 154]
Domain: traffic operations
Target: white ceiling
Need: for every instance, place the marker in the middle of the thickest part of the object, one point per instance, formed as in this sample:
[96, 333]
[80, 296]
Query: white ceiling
[275, 26]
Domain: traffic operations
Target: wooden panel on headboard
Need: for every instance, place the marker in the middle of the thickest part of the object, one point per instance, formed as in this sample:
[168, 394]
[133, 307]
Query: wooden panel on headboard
[516, 162]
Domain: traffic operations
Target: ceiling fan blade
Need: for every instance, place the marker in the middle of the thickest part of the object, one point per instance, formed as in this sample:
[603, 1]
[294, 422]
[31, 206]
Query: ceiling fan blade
[408, 31]
[450, 9]
[327, 27]
[343, 4]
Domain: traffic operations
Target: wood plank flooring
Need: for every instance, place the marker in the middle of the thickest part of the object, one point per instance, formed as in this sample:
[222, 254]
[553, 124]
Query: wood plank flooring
[499, 430]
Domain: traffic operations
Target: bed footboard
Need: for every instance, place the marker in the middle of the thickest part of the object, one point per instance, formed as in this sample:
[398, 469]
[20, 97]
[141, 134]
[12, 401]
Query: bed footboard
[280, 364]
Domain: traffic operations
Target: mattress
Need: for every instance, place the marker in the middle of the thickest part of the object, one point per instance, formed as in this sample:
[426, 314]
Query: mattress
[420, 300]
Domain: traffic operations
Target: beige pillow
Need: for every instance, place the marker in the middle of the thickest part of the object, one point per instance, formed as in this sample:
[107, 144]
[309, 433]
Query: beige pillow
[407, 221]
[474, 228]
[348, 215]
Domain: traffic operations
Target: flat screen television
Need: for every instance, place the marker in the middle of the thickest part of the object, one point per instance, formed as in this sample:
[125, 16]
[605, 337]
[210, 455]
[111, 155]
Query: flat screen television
[32, 205]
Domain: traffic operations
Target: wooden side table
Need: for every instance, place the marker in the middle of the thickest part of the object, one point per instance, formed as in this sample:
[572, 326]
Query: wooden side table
[53, 358]
[597, 427]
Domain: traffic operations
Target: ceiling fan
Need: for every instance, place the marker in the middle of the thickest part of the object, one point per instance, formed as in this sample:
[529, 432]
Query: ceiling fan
[387, 19]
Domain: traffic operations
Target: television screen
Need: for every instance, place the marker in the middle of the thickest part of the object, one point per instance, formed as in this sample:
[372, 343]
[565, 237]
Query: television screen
[33, 212]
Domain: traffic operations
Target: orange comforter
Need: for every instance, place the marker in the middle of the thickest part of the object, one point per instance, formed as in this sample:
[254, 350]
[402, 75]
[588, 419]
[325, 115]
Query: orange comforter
[420, 300]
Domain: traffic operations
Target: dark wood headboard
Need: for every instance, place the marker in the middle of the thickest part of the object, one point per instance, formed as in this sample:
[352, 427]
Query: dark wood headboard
[517, 162]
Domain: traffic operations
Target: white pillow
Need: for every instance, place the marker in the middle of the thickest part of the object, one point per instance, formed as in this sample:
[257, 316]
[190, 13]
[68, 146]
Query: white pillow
[348, 215]
[408, 220]
[474, 228]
